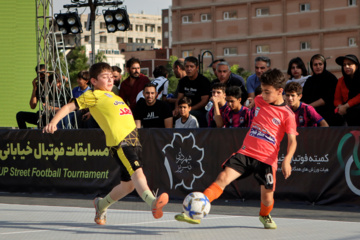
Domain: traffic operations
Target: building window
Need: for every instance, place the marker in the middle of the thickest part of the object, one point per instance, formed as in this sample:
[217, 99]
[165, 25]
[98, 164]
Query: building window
[87, 38]
[166, 19]
[305, 45]
[352, 42]
[230, 15]
[186, 19]
[186, 53]
[120, 40]
[262, 49]
[139, 40]
[102, 25]
[159, 42]
[166, 34]
[130, 28]
[159, 29]
[206, 17]
[262, 12]
[145, 71]
[230, 51]
[139, 28]
[149, 28]
[305, 7]
[130, 40]
[103, 39]
[352, 2]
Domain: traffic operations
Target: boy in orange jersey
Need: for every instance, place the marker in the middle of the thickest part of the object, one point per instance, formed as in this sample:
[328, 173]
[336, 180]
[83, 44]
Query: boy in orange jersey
[259, 153]
[116, 120]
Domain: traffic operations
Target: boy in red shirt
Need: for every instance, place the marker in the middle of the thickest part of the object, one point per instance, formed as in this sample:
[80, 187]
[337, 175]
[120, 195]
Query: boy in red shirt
[260, 149]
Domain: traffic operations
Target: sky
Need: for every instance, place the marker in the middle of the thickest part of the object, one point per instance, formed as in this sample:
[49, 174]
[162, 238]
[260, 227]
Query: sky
[152, 7]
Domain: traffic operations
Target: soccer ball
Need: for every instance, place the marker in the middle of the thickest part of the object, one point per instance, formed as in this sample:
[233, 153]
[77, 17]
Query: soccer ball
[196, 205]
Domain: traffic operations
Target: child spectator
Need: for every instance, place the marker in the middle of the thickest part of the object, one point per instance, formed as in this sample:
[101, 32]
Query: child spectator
[116, 120]
[82, 80]
[186, 120]
[305, 115]
[220, 109]
[239, 114]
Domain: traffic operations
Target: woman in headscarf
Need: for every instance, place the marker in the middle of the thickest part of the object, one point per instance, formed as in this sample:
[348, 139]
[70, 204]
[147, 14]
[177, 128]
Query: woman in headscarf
[319, 91]
[297, 71]
[347, 93]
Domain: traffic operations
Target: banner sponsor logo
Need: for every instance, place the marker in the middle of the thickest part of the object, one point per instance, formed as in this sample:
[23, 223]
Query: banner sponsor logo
[354, 158]
[183, 161]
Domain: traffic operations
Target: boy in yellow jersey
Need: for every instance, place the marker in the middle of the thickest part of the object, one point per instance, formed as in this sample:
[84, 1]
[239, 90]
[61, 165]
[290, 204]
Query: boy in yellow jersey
[116, 120]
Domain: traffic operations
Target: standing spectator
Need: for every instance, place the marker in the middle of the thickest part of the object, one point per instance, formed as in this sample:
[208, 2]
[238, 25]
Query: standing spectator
[319, 91]
[224, 75]
[161, 82]
[297, 71]
[305, 115]
[347, 93]
[82, 80]
[152, 113]
[239, 114]
[196, 87]
[117, 78]
[186, 120]
[179, 72]
[220, 109]
[262, 64]
[134, 84]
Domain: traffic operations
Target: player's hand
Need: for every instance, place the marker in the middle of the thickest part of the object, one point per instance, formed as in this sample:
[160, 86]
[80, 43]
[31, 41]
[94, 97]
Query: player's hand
[342, 109]
[86, 116]
[286, 169]
[176, 112]
[50, 128]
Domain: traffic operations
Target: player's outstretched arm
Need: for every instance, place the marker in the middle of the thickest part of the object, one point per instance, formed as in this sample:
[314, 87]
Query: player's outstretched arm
[65, 110]
[286, 166]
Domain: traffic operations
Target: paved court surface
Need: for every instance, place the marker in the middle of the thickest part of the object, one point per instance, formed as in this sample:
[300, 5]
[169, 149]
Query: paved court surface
[36, 217]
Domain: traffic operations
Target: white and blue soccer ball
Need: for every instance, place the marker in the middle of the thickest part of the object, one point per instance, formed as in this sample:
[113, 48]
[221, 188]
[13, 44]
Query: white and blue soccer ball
[196, 205]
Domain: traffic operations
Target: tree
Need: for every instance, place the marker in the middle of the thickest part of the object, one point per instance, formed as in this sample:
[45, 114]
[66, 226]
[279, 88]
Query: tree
[77, 61]
[100, 57]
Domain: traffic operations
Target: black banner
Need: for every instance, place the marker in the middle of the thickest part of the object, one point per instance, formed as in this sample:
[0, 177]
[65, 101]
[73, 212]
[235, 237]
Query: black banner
[326, 167]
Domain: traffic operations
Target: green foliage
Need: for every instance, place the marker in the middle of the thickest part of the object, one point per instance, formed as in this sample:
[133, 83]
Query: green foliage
[173, 81]
[100, 57]
[77, 61]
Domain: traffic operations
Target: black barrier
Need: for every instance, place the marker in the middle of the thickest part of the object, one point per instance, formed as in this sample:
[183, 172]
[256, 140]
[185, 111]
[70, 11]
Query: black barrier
[326, 167]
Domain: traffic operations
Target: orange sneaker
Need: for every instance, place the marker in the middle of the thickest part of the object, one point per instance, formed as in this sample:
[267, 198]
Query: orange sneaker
[158, 204]
[100, 217]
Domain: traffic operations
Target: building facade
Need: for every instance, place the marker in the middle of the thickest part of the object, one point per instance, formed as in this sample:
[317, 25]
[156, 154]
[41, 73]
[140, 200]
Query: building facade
[241, 30]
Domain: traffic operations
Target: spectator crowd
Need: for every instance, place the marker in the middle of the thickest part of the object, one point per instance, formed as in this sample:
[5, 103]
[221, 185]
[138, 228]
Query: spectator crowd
[317, 98]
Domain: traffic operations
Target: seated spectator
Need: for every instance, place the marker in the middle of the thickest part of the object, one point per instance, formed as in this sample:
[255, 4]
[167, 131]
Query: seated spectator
[186, 120]
[239, 114]
[162, 83]
[347, 93]
[297, 71]
[220, 109]
[196, 87]
[116, 71]
[152, 113]
[224, 75]
[305, 115]
[262, 64]
[319, 91]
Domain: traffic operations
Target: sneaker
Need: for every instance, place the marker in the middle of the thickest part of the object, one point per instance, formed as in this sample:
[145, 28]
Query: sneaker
[158, 204]
[182, 217]
[100, 217]
[268, 222]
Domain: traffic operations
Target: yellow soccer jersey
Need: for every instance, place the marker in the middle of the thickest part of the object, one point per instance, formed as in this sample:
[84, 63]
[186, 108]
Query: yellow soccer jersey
[110, 112]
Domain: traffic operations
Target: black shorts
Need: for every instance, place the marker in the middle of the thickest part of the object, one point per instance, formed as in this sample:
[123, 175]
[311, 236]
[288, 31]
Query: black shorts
[129, 159]
[263, 173]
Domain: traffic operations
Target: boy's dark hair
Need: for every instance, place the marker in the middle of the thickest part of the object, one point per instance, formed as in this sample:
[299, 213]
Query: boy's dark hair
[84, 75]
[160, 71]
[193, 60]
[233, 91]
[98, 68]
[258, 90]
[150, 84]
[273, 77]
[185, 100]
[179, 63]
[221, 86]
[131, 61]
[41, 67]
[299, 62]
[293, 87]
[116, 69]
